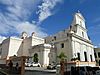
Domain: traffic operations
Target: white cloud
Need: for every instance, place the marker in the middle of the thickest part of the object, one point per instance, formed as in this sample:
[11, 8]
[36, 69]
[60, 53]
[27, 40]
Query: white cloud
[2, 38]
[15, 15]
[97, 46]
[29, 28]
[45, 9]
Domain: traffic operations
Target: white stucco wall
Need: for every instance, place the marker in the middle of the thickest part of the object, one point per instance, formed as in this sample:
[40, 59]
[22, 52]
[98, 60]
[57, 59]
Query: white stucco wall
[79, 19]
[28, 43]
[37, 40]
[46, 57]
[5, 48]
[81, 47]
[14, 45]
[43, 51]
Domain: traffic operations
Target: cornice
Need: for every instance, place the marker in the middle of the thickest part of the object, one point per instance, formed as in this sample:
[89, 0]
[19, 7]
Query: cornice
[81, 38]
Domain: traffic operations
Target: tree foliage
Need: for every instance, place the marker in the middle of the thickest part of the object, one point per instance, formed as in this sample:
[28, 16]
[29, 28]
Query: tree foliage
[62, 56]
[35, 58]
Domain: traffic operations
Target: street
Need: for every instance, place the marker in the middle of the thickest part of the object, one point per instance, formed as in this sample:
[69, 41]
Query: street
[38, 73]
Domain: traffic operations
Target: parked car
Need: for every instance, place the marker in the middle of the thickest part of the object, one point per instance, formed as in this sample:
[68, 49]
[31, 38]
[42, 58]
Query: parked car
[30, 64]
[51, 66]
[36, 64]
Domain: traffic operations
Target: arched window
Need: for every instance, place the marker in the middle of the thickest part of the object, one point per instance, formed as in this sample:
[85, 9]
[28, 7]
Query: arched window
[54, 37]
[99, 62]
[78, 55]
[80, 23]
[82, 34]
[91, 58]
[85, 55]
[62, 45]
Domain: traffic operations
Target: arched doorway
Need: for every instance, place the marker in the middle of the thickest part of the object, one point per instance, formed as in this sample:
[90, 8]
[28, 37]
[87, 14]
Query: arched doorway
[35, 58]
[99, 62]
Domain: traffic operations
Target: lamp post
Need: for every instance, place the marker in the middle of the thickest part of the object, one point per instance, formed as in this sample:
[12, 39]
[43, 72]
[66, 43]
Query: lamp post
[23, 58]
[62, 57]
[62, 67]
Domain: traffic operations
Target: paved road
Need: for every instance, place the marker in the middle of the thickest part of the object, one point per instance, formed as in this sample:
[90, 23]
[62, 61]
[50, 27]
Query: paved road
[38, 73]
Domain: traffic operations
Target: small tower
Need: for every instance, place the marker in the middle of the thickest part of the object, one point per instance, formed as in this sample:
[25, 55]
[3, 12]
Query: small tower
[24, 35]
[79, 20]
[33, 34]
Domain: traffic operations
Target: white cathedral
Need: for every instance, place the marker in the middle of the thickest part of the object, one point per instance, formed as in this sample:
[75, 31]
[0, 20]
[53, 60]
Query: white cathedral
[74, 42]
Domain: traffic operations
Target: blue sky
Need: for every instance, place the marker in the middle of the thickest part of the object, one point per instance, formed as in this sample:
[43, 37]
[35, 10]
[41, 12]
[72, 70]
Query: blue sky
[47, 17]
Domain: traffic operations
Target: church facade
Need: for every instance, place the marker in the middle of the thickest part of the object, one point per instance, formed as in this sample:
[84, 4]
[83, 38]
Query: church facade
[74, 42]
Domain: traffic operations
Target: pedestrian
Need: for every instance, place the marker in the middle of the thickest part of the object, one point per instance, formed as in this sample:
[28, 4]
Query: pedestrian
[72, 70]
[17, 66]
[76, 71]
[10, 64]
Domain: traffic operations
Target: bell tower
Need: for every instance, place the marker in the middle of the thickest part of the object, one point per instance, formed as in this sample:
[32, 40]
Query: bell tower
[79, 19]
[78, 25]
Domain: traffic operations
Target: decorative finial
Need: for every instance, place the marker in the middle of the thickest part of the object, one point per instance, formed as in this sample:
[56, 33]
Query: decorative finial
[33, 33]
[78, 11]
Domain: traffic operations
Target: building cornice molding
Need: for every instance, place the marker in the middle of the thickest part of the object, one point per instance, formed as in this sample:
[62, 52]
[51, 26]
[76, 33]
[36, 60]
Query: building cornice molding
[63, 40]
[81, 27]
[81, 38]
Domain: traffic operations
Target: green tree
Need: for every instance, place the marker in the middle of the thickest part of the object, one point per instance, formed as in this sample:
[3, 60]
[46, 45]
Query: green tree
[35, 58]
[62, 56]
